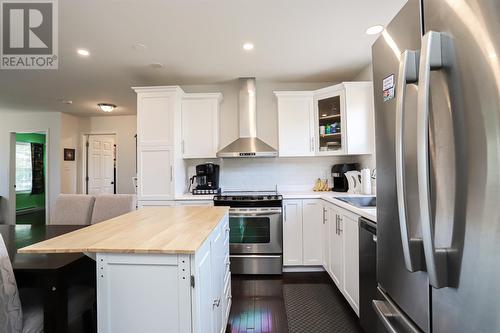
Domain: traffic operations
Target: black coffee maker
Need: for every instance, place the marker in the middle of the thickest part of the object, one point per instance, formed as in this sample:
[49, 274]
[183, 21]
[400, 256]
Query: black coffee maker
[207, 179]
[338, 175]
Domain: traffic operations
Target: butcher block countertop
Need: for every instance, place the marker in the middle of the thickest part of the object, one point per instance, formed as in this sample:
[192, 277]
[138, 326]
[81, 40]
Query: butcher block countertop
[181, 229]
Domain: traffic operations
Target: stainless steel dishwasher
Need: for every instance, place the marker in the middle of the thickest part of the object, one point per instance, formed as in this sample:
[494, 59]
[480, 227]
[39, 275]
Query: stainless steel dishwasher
[367, 274]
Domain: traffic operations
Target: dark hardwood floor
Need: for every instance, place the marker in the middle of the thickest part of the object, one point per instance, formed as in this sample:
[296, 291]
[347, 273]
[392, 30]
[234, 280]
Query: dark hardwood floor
[34, 218]
[258, 304]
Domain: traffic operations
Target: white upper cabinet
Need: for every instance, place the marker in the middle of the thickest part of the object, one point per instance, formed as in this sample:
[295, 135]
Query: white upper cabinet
[156, 115]
[296, 123]
[344, 119]
[200, 125]
[336, 120]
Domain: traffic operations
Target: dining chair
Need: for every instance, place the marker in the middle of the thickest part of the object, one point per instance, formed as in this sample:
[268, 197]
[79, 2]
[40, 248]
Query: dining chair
[11, 313]
[73, 209]
[108, 206]
[21, 310]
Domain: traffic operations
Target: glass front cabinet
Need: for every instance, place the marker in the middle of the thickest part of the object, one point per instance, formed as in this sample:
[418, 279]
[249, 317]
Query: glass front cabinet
[336, 120]
[329, 114]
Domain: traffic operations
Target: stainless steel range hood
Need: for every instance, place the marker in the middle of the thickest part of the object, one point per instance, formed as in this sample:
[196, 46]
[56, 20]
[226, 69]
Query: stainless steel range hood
[248, 144]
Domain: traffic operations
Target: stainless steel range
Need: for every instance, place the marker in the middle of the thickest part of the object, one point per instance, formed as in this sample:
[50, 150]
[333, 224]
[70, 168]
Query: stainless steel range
[256, 231]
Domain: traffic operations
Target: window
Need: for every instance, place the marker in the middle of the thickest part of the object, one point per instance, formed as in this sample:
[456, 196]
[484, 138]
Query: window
[23, 167]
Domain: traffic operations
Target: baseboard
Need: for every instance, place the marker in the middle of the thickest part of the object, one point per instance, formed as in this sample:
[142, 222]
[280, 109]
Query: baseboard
[29, 210]
[297, 269]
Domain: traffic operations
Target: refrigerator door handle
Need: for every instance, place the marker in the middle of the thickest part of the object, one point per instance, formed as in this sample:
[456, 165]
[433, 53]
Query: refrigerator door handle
[412, 246]
[392, 317]
[435, 258]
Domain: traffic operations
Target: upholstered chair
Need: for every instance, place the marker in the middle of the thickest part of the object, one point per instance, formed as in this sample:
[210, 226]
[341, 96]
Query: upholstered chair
[73, 209]
[108, 206]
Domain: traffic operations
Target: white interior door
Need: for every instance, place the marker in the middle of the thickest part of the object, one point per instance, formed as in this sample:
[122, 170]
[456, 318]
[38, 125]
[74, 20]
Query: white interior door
[101, 164]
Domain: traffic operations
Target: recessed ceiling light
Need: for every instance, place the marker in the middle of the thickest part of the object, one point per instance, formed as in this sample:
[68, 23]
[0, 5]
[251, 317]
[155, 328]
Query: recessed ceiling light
[106, 107]
[139, 46]
[376, 29]
[156, 65]
[83, 52]
[248, 46]
[66, 101]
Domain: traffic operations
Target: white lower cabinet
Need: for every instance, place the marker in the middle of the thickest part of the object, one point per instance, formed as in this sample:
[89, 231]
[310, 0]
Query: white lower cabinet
[210, 290]
[292, 233]
[341, 245]
[336, 248]
[194, 203]
[167, 203]
[302, 230]
[319, 233]
[154, 203]
[312, 229]
[351, 261]
[325, 236]
[188, 293]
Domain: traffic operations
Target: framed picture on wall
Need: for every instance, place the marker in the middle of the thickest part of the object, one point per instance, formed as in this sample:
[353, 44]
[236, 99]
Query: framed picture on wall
[69, 154]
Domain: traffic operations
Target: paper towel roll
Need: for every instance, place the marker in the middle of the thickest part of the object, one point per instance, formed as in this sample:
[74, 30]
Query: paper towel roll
[366, 181]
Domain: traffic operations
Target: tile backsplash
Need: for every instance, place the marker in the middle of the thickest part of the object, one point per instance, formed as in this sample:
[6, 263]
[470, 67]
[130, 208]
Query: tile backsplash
[289, 174]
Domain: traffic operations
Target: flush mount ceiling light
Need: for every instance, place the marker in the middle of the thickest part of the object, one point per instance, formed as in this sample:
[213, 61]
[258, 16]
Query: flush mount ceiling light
[66, 101]
[248, 46]
[106, 107]
[376, 29]
[83, 52]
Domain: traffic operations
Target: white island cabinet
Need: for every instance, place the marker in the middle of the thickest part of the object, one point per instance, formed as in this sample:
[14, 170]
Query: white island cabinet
[159, 269]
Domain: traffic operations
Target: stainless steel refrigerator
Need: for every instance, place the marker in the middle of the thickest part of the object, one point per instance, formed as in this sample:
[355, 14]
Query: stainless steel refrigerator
[437, 107]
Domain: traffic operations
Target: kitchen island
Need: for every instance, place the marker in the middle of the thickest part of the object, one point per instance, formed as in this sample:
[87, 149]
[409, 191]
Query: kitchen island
[159, 269]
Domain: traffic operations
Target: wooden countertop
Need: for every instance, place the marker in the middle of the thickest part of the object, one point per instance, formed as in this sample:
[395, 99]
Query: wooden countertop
[181, 229]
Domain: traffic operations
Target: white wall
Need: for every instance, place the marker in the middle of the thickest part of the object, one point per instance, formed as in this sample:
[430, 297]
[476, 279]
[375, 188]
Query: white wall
[125, 128]
[19, 121]
[366, 74]
[70, 138]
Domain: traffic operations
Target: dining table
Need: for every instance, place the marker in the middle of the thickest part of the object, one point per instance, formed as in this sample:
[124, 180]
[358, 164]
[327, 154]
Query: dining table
[53, 274]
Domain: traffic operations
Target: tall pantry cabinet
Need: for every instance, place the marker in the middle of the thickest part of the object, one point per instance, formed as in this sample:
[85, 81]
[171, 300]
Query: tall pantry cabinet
[172, 126]
[159, 159]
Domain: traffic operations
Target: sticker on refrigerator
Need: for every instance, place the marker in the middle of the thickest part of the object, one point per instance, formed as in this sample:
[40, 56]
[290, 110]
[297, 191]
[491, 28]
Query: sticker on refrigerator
[388, 87]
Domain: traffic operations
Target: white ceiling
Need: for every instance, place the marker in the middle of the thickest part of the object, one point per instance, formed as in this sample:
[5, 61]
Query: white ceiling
[199, 42]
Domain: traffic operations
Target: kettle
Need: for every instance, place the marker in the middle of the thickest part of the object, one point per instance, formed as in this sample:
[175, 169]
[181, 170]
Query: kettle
[353, 181]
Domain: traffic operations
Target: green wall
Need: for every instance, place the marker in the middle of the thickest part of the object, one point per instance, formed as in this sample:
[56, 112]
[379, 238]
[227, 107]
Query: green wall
[26, 200]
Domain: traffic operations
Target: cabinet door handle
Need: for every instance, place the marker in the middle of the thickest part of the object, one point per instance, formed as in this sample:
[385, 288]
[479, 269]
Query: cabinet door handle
[336, 224]
[182, 146]
[171, 173]
[324, 215]
[312, 144]
[284, 215]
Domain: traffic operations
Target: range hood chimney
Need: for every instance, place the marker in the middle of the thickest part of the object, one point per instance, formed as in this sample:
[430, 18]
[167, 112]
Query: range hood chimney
[248, 144]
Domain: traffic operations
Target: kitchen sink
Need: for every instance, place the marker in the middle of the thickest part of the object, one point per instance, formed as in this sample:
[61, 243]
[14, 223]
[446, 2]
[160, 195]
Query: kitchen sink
[361, 202]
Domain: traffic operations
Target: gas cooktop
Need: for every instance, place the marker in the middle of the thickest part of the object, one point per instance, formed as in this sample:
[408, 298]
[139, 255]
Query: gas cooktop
[249, 198]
